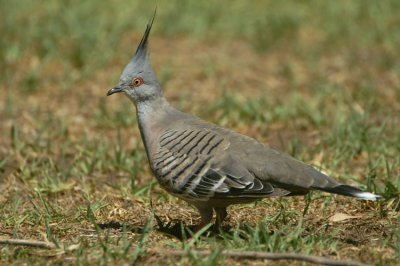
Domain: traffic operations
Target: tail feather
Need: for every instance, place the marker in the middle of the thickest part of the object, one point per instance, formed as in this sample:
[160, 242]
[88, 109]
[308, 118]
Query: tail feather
[346, 190]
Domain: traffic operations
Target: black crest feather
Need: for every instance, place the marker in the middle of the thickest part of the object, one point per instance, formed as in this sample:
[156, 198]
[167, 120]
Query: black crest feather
[140, 61]
[142, 48]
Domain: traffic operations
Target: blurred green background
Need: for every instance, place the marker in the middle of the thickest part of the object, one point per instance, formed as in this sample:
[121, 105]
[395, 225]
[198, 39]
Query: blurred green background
[87, 35]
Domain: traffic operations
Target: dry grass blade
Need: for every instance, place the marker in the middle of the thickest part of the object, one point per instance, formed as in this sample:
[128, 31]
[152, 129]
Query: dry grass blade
[268, 256]
[29, 243]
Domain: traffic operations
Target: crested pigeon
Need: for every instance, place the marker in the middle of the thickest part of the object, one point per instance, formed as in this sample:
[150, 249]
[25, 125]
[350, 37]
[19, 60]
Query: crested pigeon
[206, 165]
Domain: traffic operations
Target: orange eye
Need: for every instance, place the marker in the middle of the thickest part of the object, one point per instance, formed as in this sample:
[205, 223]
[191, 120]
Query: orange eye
[136, 82]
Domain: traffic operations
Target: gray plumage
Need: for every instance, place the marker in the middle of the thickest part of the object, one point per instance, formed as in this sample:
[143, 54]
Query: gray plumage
[206, 165]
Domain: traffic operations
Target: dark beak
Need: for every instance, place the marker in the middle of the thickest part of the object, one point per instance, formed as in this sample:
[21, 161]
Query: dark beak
[114, 90]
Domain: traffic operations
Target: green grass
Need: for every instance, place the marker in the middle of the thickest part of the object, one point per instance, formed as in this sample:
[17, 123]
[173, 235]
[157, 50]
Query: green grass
[315, 79]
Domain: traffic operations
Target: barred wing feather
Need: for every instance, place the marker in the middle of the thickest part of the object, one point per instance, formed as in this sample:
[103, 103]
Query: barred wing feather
[192, 164]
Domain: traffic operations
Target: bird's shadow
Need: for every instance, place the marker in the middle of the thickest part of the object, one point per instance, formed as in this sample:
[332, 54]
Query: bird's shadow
[175, 229]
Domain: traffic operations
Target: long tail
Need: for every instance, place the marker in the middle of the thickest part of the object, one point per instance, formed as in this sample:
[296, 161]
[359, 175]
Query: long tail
[346, 190]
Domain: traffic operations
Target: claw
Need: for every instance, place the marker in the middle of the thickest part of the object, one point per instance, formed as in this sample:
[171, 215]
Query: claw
[159, 222]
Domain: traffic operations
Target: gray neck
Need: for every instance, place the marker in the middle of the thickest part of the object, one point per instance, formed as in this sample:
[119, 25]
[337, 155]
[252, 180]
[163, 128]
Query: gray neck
[149, 114]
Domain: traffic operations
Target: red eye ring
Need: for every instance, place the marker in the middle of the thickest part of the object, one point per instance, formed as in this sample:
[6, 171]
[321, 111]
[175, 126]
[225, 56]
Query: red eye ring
[136, 82]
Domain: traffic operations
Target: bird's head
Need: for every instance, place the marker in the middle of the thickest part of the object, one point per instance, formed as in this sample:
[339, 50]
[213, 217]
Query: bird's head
[138, 80]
